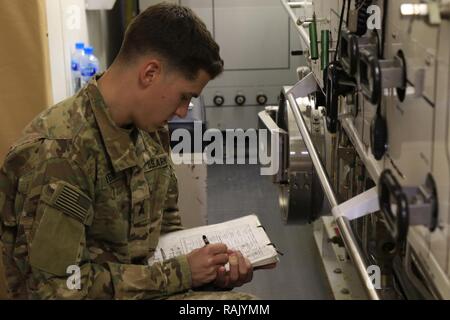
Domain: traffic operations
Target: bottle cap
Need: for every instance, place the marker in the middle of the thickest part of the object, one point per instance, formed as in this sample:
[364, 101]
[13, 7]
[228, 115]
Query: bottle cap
[79, 45]
[88, 50]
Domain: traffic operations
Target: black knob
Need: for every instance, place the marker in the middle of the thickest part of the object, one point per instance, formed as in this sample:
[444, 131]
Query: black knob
[239, 99]
[218, 100]
[378, 136]
[261, 99]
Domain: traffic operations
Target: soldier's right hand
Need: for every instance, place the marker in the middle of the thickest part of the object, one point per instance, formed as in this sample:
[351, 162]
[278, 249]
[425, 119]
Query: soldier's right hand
[204, 263]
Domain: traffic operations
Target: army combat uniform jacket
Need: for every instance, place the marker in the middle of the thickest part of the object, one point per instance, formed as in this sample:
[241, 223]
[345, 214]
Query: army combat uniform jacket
[77, 191]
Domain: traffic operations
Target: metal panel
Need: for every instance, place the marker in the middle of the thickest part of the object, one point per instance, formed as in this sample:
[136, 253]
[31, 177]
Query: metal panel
[440, 242]
[242, 117]
[253, 34]
[418, 127]
[409, 144]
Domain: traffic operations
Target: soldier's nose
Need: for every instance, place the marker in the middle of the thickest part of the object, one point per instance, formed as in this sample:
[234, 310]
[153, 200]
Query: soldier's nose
[182, 111]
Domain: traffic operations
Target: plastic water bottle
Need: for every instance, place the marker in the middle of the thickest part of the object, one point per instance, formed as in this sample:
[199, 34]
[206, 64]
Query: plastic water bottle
[75, 59]
[89, 65]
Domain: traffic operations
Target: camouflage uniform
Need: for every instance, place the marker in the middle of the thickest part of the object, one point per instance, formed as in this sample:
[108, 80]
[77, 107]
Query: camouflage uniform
[78, 190]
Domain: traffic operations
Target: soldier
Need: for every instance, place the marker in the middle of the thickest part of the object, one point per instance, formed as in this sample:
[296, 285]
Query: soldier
[90, 185]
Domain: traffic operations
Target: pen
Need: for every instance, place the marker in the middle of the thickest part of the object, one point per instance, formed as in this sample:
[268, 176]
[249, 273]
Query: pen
[163, 254]
[205, 240]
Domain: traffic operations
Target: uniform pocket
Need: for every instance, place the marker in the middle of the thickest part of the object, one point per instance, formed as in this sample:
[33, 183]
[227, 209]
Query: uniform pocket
[56, 243]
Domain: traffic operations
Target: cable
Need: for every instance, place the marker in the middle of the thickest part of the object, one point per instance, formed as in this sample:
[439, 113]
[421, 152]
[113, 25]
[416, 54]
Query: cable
[340, 28]
[378, 43]
[348, 10]
[383, 28]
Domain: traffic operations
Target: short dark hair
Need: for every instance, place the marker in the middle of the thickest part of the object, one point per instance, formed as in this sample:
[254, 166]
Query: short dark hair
[178, 35]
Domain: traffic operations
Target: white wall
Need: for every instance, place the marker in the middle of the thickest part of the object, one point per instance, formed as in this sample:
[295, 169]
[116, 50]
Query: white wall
[66, 21]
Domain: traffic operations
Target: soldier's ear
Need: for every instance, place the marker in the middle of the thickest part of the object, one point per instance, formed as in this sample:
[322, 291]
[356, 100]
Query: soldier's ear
[149, 72]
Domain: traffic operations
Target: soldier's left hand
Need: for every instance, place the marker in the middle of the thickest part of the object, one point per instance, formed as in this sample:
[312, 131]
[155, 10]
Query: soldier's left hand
[241, 271]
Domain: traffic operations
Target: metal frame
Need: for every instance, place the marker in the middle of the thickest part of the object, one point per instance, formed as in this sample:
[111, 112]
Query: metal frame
[304, 87]
[288, 7]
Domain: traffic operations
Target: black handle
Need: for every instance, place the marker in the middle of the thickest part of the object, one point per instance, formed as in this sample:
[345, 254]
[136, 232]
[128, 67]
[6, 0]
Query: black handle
[378, 136]
[337, 83]
[390, 192]
[370, 82]
[297, 52]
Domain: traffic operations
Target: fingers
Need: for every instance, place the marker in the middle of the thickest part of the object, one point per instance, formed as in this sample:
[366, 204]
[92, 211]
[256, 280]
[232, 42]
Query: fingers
[250, 270]
[234, 267]
[245, 269]
[216, 248]
[219, 259]
[222, 278]
[240, 271]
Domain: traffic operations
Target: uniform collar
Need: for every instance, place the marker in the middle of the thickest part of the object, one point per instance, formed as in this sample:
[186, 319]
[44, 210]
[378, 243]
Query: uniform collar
[118, 141]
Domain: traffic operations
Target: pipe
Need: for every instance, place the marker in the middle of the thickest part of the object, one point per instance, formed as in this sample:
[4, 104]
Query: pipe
[325, 46]
[303, 34]
[299, 4]
[314, 51]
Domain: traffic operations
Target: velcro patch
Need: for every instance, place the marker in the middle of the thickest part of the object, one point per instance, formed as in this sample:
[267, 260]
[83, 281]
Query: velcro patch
[156, 163]
[111, 177]
[71, 201]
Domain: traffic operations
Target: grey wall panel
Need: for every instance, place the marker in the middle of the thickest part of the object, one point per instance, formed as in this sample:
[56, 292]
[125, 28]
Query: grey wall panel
[253, 34]
[204, 9]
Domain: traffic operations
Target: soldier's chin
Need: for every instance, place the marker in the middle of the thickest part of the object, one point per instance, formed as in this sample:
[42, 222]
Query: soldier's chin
[146, 127]
[156, 127]
[151, 128]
